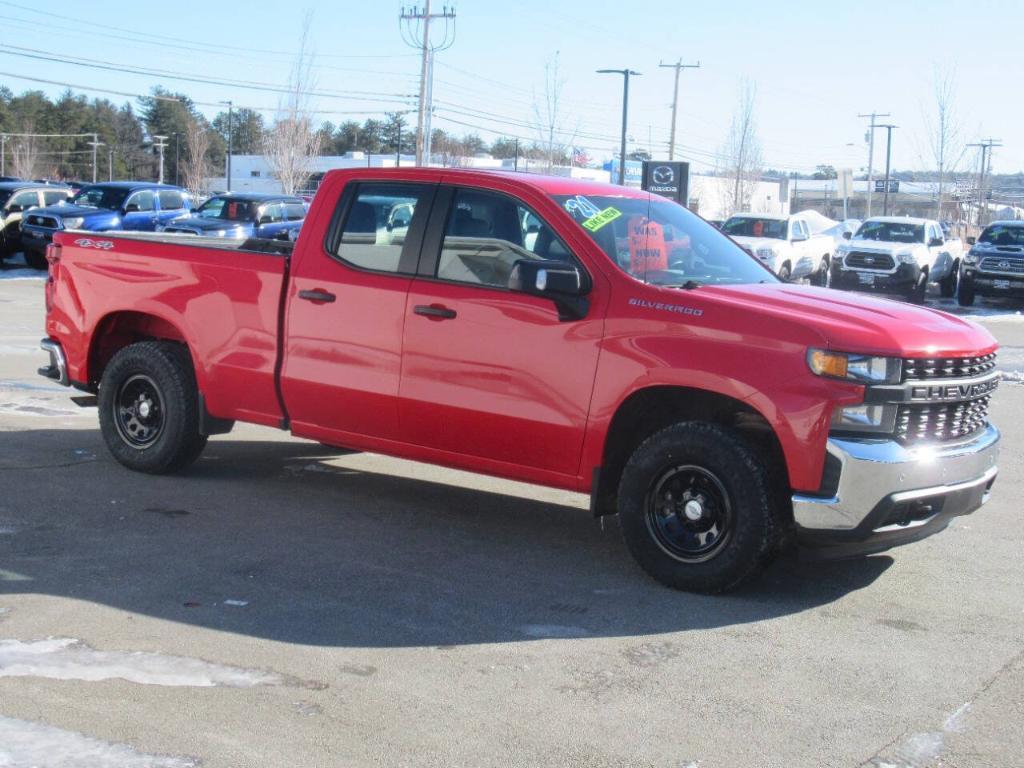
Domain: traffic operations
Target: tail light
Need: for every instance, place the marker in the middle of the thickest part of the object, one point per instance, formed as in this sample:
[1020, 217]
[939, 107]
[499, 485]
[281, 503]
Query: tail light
[53, 257]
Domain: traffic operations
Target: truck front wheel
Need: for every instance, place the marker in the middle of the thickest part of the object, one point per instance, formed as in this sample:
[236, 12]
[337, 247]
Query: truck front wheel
[696, 508]
[148, 408]
[919, 289]
[947, 285]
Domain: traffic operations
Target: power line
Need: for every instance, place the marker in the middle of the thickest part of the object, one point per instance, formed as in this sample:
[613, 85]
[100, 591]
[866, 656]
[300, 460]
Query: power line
[415, 26]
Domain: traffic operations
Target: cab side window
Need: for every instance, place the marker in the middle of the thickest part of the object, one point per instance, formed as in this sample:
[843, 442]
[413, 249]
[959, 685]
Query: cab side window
[272, 213]
[54, 196]
[373, 235]
[487, 233]
[25, 200]
[171, 200]
[143, 201]
[294, 211]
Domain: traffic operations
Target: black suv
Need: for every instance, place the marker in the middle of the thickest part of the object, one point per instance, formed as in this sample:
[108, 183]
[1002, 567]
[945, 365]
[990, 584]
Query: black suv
[995, 264]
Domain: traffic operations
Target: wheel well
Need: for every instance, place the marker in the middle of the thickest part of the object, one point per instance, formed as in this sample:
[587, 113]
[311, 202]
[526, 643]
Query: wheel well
[649, 410]
[116, 331]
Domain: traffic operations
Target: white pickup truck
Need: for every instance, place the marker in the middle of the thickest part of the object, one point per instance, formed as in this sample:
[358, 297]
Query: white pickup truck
[900, 255]
[784, 244]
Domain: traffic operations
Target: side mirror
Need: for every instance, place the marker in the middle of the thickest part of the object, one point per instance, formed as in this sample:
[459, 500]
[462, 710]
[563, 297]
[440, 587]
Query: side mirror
[131, 208]
[936, 242]
[972, 241]
[559, 281]
[847, 235]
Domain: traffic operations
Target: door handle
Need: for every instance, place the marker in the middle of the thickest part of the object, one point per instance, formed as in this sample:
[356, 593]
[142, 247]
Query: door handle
[433, 310]
[318, 296]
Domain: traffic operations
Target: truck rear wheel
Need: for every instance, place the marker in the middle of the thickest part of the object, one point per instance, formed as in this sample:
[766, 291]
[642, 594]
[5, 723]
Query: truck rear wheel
[965, 296]
[149, 408]
[696, 508]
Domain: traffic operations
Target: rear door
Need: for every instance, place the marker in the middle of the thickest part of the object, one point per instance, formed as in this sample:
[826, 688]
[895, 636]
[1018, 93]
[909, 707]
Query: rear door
[490, 373]
[346, 315]
[172, 206]
[271, 221]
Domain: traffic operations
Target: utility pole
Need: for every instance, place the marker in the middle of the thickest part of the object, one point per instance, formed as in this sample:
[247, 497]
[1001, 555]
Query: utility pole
[986, 146]
[678, 67]
[625, 116]
[3, 155]
[160, 146]
[95, 144]
[871, 154]
[888, 166]
[398, 149]
[177, 157]
[515, 167]
[415, 26]
[110, 164]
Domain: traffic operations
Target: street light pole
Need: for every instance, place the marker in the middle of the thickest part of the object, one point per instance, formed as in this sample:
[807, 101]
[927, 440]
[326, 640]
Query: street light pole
[625, 115]
[888, 166]
[227, 176]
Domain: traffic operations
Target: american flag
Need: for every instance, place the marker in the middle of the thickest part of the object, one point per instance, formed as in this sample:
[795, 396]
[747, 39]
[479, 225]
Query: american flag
[580, 156]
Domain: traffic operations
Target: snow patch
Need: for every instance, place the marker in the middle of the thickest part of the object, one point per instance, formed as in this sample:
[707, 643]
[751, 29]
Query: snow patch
[1012, 377]
[70, 659]
[921, 749]
[553, 631]
[24, 744]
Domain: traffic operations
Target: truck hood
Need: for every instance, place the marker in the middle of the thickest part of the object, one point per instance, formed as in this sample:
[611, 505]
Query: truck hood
[69, 211]
[200, 224]
[753, 243]
[858, 323]
[880, 246]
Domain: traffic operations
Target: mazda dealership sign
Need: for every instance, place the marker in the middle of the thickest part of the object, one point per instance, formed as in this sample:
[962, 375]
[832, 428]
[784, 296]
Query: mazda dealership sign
[668, 179]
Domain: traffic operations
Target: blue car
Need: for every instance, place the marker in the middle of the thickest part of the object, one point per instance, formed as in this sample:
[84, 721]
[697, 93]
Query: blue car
[112, 206]
[242, 215]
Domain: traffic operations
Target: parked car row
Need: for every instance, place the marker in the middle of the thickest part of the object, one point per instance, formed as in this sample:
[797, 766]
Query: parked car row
[33, 212]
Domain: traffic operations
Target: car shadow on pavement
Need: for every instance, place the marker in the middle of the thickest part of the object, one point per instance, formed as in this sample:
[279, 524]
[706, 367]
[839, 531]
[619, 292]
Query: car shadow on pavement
[308, 550]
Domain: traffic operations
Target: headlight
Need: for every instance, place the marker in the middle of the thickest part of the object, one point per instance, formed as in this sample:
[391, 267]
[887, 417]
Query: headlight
[971, 257]
[767, 253]
[906, 257]
[74, 222]
[864, 418]
[863, 369]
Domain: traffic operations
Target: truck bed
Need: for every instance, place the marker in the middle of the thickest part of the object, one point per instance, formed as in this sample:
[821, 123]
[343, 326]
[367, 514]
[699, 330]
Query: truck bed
[224, 296]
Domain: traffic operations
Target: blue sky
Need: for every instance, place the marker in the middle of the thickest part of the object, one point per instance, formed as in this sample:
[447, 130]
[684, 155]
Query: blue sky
[816, 66]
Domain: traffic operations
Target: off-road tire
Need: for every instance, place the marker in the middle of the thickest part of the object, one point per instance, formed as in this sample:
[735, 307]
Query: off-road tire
[919, 290]
[164, 370]
[821, 277]
[756, 520]
[784, 273]
[948, 284]
[965, 296]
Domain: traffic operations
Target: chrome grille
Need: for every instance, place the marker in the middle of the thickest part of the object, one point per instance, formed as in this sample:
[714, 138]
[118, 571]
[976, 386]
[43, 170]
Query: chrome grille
[917, 369]
[862, 260]
[943, 421]
[1013, 265]
[946, 421]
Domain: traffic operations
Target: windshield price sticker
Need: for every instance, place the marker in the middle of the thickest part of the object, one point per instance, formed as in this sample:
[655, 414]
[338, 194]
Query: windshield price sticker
[648, 250]
[599, 220]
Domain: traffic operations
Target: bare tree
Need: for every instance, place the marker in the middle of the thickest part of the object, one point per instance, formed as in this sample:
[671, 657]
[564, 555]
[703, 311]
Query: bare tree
[945, 133]
[293, 142]
[196, 168]
[741, 152]
[25, 152]
[548, 116]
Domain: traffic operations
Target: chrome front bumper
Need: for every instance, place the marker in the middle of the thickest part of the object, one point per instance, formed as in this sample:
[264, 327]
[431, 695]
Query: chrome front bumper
[888, 494]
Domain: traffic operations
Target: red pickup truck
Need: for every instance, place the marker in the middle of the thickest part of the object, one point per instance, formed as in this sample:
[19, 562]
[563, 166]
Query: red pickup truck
[576, 335]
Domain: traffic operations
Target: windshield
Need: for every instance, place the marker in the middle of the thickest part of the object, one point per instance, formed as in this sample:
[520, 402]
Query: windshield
[110, 198]
[891, 232]
[1002, 234]
[745, 226]
[228, 209]
[660, 242]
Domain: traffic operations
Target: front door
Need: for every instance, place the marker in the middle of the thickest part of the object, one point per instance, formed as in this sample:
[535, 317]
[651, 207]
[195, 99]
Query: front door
[140, 212]
[491, 373]
[346, 314]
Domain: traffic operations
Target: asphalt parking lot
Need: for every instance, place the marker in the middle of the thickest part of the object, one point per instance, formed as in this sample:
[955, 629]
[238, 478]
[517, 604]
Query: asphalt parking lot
[281, 605]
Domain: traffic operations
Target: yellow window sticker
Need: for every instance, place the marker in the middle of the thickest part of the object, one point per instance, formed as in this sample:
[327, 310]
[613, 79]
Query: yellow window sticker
[598, 220]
